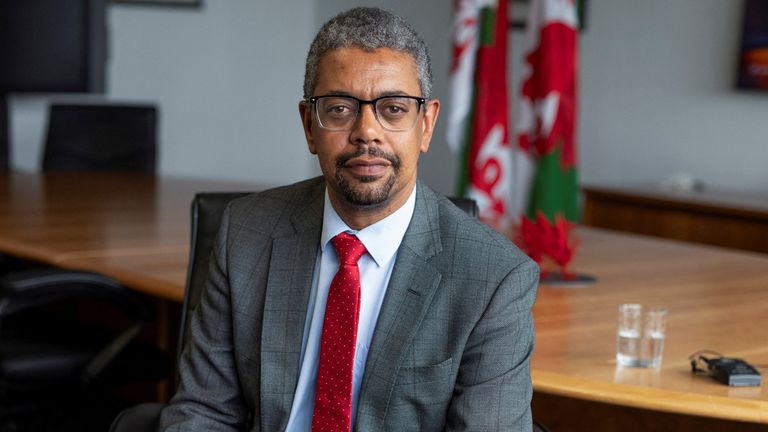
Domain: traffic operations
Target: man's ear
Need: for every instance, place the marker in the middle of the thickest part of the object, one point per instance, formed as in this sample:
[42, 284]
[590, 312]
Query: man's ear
[428, 121]
[305, 111]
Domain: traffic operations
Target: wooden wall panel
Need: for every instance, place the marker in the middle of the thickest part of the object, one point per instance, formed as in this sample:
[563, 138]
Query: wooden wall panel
[701, 217]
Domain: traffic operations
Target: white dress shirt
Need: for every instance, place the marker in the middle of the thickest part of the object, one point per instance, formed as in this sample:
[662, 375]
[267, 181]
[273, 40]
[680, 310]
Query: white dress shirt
[381, 241]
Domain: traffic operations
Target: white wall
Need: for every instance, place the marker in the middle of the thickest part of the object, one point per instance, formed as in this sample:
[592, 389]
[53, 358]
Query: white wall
[656, 89]
[227, 79]
[657, 95]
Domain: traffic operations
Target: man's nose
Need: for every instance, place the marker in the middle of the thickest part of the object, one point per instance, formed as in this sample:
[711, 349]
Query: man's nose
[366, 127]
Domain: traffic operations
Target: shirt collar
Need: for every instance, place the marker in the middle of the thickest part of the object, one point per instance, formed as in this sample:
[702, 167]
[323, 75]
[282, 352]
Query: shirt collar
[382, 239]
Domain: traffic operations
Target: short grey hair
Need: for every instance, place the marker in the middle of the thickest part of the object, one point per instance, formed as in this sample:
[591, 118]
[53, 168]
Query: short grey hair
[369, 28]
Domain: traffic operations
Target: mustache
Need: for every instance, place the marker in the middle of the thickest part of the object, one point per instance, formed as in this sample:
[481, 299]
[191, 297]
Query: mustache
[372, 151]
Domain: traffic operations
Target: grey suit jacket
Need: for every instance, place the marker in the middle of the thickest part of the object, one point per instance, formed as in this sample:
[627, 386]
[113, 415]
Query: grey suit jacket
[451, 347]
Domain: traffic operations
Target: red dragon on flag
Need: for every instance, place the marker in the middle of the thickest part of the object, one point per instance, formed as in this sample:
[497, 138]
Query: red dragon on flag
[545, 157]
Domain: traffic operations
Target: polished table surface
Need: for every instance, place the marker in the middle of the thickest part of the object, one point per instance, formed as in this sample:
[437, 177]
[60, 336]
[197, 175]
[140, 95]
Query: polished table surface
[133, 227]
[717, 299]
[136, 229]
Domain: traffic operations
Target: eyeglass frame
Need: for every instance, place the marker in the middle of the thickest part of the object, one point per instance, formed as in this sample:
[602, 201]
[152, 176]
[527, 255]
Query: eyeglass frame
[360, 102]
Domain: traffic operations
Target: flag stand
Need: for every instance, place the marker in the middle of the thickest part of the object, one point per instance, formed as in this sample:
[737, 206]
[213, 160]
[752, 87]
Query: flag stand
[567, 280]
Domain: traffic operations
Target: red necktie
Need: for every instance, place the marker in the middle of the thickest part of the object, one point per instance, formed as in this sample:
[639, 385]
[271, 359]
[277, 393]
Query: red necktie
[333, 399]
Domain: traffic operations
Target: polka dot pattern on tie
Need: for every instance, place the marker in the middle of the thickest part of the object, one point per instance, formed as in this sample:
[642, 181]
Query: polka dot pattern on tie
[333, 399]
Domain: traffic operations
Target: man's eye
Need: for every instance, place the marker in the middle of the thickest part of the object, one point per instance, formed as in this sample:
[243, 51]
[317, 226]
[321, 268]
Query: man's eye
[393, 109]
[338, 109]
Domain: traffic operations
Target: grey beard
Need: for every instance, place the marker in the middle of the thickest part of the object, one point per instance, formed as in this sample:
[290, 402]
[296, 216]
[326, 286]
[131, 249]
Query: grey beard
[367, 198]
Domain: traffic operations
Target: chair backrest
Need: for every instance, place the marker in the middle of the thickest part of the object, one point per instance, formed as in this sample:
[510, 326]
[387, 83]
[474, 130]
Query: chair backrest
[207, 210]
[101, 138]
[467, 204]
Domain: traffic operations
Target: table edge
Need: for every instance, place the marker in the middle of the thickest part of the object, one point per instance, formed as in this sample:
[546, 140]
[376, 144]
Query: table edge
[651, 398]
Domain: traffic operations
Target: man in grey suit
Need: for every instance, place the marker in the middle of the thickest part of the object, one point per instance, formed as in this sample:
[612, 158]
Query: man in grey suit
[442, 333]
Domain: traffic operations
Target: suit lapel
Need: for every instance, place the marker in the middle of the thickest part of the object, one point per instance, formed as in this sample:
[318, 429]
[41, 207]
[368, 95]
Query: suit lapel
[291, 269]
[409, 294]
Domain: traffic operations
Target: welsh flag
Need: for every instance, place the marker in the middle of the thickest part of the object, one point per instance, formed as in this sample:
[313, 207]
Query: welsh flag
[479, 120]
[545, 157]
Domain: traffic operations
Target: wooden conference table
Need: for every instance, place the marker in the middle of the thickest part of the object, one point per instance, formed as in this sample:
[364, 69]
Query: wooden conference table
[132, 227]
[136, 229]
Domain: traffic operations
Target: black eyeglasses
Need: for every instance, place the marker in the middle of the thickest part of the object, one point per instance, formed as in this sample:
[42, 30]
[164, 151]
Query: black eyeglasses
[394, 113]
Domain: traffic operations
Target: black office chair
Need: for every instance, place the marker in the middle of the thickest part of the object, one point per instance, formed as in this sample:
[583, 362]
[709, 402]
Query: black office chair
[52, 363]
[207, 210]
[109, 137]
[467, 204]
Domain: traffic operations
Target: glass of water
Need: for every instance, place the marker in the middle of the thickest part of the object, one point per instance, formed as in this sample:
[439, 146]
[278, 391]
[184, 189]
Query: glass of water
[640, 336]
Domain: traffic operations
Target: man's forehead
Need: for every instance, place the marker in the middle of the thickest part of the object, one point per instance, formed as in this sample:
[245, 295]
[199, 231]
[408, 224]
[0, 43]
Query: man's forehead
[353, 53]
[390, 68]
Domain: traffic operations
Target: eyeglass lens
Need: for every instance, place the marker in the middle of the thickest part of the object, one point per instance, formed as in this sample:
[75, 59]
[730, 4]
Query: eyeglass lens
[393, 112]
